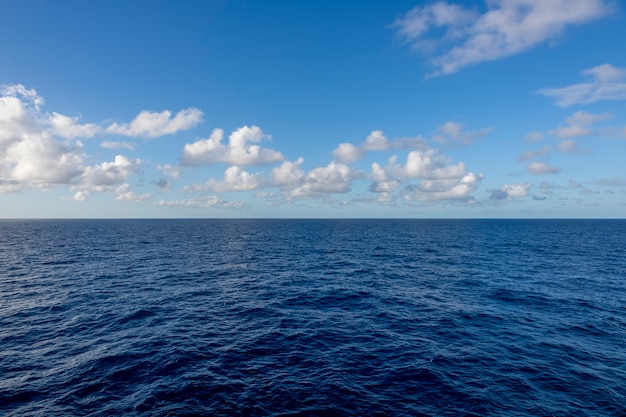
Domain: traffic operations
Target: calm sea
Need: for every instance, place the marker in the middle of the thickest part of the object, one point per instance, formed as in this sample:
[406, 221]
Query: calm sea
[313, 317]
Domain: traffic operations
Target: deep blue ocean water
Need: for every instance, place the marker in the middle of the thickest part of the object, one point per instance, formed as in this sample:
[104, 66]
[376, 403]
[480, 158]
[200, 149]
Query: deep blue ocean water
[313, 317]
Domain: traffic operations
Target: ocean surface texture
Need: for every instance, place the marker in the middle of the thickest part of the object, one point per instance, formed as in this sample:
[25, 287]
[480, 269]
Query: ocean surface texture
[313, 317]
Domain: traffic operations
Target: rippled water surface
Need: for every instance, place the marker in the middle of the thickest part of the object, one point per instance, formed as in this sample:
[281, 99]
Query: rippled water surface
[313, 317]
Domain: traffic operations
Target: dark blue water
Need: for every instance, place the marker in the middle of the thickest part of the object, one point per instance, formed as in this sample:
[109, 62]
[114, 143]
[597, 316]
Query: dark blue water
[313, 318]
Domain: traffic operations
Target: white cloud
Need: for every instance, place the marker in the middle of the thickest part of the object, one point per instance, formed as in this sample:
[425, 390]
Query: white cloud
[448, 189]
[236, 179]
[376, 141]
[429, 164]
[382, 180]
[100, 177]
[68, 127]
[540, 168]
[239, 150]
[29, 154]
[511, 191]
[80, 196]
[18, 90]
[579, 124]
[124, 193]
[605, 85]
[201, 202]
[347, 153]
[506, 28]
[288, 175]
[169, 170]
[118, 145]
[319, 182]
[149, 124]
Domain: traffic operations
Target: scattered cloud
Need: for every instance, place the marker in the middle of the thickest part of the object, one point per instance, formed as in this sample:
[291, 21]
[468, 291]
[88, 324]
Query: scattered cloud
[376, 141]
[608, 83]
[124, 193]
[169, 170]
[80, 196]
[540, 168]
[239, 150]
[163, 184]
[457, 37]
[528, 155]
[319, 182]
[511, 191]
[347, 153]
[430, 164]
[68, 127]
[236, 179]
[451, 133]
[533, 137]
[579, 124]
[149, 124]
[29, 153]
[102, 176]
[118, 145]
[447, 189]
[614, 182]
[209, 201]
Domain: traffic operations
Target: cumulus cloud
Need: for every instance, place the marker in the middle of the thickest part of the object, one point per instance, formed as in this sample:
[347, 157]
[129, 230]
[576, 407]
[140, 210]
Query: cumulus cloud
[102, 176]
[236, 179]
[149, 124]
[608, 83]
[376, 141]
[447, 189]
[540, 168]
[124, 193]
[41, 150]
[29, 153]
[80, 196]
[239, 150]
[511, 191]
[430, 164]
[438, 178]
[457, 37]
[319, 182]
[69, 127]
[347, 153]
[383, 182]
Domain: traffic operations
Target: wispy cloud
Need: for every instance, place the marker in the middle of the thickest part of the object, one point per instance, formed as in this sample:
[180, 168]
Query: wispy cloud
[608, 83]
[506, 28]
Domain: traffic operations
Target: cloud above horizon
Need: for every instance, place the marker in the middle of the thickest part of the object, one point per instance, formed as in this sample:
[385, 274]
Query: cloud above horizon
[608, 83]
[455, 37]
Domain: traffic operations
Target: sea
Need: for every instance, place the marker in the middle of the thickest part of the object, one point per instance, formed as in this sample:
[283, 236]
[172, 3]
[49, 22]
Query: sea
[245, 317]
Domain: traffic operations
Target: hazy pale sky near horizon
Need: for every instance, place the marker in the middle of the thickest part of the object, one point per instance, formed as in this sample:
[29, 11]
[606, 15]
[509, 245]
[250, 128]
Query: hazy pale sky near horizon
[497, 108]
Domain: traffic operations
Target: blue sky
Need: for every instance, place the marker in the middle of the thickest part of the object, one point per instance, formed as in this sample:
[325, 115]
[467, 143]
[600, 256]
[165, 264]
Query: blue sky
[498, 108]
